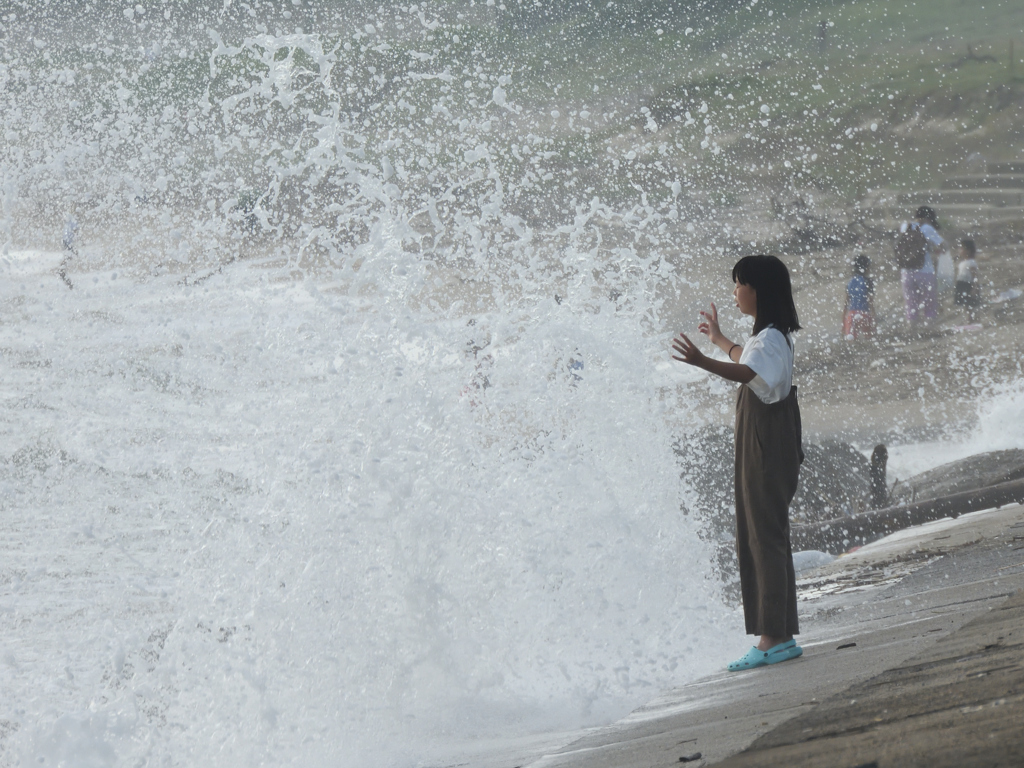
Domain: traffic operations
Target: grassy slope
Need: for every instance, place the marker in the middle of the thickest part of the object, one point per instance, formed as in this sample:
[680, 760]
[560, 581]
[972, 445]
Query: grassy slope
[898, 65]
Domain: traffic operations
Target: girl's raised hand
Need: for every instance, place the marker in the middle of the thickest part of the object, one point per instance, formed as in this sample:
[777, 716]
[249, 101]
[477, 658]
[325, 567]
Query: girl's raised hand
[688, 352]
[709, 324]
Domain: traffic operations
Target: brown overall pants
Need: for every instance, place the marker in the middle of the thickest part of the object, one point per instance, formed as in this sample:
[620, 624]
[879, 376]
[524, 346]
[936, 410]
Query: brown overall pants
[768, 458]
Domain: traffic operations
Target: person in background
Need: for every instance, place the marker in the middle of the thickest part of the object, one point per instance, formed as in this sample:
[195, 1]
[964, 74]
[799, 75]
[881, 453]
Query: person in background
[859, 312]
[70, 233]
[68, 241]
[920, 288]
[945, 270]
[879, 486]
[967, 294]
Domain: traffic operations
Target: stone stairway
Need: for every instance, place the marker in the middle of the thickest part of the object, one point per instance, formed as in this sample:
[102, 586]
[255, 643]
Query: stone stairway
[981, 203]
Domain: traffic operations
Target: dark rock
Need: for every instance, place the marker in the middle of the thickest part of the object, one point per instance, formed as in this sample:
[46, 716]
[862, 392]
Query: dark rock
[706, 460]
[838, 535]
[835, 479]
[979, 471]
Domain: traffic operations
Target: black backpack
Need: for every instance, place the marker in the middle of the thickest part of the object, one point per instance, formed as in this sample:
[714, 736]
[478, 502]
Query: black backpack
[911, 246]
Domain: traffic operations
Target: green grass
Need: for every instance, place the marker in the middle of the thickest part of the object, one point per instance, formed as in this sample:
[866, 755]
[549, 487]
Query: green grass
[883, 62]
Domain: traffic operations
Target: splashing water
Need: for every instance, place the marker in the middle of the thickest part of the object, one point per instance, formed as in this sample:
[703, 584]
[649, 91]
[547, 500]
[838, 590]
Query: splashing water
[1000, 405]
[347, 444]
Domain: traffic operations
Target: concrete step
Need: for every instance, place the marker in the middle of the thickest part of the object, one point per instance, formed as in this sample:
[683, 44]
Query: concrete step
[1000, 168]
[958, 216]
[999, 198]
[990, 181]
[945, 197]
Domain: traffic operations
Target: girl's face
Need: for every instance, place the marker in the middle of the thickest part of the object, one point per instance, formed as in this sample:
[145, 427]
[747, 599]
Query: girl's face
[746, 298]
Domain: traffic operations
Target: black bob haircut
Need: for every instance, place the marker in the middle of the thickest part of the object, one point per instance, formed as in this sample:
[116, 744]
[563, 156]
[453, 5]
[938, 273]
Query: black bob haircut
[769, 278]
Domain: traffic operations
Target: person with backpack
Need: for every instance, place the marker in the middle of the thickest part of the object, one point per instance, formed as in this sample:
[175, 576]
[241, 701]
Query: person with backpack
[915, 243]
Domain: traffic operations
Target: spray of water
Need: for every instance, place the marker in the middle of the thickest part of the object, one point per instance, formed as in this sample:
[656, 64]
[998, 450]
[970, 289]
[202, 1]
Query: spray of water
[347, 444]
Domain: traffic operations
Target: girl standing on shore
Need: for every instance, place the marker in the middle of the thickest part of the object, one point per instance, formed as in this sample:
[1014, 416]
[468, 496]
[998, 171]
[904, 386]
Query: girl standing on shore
[768, 450]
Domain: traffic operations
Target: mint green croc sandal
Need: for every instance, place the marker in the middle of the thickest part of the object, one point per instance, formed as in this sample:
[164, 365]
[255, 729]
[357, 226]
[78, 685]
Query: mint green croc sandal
[757, 658]
[753, 658]
[785, 652]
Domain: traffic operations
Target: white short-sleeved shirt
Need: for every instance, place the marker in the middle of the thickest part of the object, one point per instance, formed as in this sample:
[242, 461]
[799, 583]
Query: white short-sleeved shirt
[770, 356]
[967, 271]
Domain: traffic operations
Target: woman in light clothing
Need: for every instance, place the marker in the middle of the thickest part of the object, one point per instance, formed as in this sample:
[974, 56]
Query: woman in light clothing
[920, 287]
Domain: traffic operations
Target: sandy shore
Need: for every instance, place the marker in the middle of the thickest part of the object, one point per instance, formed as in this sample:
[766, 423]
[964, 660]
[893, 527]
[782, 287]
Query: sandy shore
[942, 598]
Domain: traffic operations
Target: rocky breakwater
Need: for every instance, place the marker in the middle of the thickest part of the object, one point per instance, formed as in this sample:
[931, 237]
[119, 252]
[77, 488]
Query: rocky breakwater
[834, 508]
[978, 482]
[835, 482]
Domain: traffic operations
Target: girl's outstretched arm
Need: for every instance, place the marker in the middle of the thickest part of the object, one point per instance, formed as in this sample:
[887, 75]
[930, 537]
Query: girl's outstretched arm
[709, 327]
[731, 371]
[689, 354]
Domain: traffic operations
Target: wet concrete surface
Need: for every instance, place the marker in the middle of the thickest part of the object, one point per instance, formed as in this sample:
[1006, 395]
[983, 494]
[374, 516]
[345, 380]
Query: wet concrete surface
[961, 703]
[913, 655]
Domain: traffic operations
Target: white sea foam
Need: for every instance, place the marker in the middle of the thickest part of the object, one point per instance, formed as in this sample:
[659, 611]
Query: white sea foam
[349, 444]
[267, 520]
[1000, 406]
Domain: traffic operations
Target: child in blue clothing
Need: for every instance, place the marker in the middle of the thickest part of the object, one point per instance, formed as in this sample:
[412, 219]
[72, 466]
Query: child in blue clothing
[859, 312]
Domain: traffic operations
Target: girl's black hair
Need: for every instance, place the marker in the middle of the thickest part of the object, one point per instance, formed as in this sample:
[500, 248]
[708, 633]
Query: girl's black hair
[769, 278]
[968, 245]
